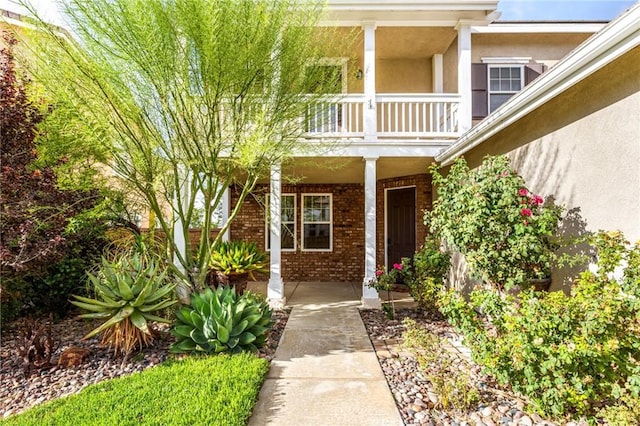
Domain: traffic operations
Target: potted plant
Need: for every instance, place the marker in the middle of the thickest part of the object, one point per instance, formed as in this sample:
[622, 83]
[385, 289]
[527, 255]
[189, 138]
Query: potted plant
[232, 263]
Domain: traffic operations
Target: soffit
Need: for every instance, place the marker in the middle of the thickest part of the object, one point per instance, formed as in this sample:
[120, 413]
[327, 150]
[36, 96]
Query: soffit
[407, 42]
[336, 170]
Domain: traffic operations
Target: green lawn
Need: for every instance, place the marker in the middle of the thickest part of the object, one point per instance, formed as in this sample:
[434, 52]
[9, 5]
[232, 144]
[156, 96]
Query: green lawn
[214, 390]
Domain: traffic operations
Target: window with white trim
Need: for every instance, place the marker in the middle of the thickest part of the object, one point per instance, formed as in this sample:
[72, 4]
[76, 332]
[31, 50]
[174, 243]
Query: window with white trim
[287, 222]
[317, 226]
[504, 82]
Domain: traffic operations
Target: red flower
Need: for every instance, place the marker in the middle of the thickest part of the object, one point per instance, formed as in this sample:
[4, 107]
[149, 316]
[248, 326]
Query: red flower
[397, 266]
[36, 173]
[523, 192]
[526, 212]
[379, 272]
[536, 200]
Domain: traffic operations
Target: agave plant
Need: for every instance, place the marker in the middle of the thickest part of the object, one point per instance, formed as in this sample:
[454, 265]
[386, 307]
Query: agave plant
[222, 321]
[130, 291]
[238, 257]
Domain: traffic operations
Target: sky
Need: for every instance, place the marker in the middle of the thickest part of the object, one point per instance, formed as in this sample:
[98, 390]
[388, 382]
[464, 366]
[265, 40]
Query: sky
[510, 9]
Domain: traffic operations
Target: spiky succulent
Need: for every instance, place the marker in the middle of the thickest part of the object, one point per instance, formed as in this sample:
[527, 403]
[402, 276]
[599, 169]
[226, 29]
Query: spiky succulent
[130, 291]
[222, 321]
[238, 257]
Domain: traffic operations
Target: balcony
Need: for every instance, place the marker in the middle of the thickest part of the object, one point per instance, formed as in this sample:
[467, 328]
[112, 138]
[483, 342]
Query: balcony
[394, 117]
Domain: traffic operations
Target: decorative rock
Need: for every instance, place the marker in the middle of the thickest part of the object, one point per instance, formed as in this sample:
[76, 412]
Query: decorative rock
[525, 421]
[416, 408]
[486, 412]
[73, 356]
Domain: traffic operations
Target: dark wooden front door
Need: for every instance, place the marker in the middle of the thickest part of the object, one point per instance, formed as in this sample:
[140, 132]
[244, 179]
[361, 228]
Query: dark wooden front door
[401, 224]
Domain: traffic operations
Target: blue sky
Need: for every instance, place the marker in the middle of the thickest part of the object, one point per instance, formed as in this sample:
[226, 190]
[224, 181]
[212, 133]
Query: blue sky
[562, 9]
[511, 9]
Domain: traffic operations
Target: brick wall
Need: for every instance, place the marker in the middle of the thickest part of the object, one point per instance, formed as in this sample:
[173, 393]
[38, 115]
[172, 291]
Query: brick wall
[422, 183]
[344, 263]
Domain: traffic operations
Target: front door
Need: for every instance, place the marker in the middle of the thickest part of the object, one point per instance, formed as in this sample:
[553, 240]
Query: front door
[401, 224]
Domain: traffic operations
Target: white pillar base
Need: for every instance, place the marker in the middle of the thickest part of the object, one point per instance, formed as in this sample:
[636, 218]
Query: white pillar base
[371, 303]
[275, 293]
[277, 304]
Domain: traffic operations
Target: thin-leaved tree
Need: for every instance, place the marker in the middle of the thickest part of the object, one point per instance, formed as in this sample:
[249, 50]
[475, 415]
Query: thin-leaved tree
[188, 96]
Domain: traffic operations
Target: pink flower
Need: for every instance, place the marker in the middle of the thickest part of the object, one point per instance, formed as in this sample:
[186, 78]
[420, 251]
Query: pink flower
[379, 272]
[526, 212]
[397, 266]
[536, 200]
[523, 192]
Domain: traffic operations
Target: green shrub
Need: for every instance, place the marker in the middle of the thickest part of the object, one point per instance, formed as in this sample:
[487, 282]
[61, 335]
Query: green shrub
[567, 354]
[505, 232]
[430, 267]
[221, 321]
[130, 291]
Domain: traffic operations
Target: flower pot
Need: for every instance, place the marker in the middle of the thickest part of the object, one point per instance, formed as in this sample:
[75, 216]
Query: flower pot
[541, 284]
[237, 281]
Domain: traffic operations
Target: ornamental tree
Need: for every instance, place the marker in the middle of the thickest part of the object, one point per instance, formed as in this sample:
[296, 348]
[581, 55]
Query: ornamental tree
[506, 232]
[189, 97]
[34, 213]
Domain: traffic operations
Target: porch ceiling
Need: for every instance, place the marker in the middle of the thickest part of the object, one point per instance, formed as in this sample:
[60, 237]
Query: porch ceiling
[349, 169]
[412, 42]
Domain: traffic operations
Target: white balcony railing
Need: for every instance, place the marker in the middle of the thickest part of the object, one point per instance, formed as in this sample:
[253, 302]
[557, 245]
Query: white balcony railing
[414, 116]
[417, 115]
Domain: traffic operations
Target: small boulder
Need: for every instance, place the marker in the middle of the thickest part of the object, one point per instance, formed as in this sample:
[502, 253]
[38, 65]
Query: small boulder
[73, 356]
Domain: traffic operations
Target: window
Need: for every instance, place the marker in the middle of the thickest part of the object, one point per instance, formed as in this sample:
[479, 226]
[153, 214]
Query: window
[287, 224]
[504, 82]
[496, 79]
[316, 222]
[326, 76]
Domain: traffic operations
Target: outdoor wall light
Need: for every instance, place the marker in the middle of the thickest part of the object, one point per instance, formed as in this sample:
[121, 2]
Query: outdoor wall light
[359, 74]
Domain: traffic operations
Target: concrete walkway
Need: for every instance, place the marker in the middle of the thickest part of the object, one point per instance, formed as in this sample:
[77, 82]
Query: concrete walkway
[325, 370]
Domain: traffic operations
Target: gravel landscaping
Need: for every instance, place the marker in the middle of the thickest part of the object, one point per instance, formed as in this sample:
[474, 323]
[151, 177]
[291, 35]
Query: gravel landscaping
[415, 396]
[20, 391]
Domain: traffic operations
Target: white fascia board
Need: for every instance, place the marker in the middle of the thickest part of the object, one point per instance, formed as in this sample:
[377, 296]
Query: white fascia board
[410, 5]
[539, 27]
[373, 149]
[614, 40]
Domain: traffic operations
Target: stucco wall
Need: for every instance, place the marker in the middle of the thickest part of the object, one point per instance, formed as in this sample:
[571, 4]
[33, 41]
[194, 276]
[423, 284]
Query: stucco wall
[583, 148]
[543, 48]
[450, 66]
[405, 75]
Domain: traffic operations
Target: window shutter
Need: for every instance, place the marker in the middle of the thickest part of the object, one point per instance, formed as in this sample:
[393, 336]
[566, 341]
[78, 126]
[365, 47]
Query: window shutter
[479, 98]
[533, 71]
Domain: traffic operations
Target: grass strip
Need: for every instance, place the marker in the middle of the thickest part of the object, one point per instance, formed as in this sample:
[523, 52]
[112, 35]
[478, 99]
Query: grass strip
[213, 390]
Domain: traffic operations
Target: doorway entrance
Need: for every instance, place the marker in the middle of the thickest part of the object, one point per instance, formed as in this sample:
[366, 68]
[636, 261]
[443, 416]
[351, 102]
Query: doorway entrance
[401, 224]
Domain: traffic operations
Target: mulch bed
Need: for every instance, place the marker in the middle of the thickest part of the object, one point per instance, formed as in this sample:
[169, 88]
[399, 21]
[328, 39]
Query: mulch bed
[415, 396]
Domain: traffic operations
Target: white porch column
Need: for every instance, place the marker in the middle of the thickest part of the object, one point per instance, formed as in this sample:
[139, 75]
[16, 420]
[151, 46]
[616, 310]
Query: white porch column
[370, 297]
[181, 197]
[437, 73]
[464, 74]
[225, 212]
[275, 289]
[370, 118]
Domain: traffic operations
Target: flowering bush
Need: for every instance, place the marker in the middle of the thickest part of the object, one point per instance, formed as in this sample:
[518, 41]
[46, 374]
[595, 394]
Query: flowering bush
[505, 231]
[568, 354]
[386, 280]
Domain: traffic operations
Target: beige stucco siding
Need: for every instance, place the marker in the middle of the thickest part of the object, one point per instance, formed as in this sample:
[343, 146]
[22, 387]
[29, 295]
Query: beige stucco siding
[450, 66]
[583, 147]
[403, 75]
[543, 48]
